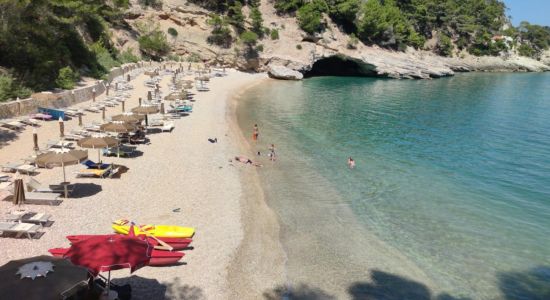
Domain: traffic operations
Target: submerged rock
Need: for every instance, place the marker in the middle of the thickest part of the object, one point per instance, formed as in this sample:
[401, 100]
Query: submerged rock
[282, 72]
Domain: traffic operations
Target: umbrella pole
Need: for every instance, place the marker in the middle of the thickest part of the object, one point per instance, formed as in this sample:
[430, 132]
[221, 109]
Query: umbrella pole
[109, 283]
[65, 182]
[98, 156]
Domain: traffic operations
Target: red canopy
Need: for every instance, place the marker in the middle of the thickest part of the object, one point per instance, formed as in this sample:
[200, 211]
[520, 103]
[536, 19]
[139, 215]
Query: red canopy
[110, 252]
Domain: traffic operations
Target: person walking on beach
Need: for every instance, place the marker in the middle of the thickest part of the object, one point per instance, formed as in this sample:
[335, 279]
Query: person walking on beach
[255, 133]
[351, 163]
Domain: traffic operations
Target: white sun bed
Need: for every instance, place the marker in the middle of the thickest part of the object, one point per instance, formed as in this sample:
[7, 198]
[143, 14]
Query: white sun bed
[20, 229]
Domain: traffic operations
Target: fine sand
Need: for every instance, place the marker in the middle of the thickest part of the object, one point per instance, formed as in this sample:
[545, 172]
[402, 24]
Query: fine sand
[236, 253]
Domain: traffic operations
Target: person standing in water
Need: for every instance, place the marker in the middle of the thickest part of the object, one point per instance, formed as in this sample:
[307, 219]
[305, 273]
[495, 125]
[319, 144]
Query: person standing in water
[351, 163]
[272, 152]
[255, 133]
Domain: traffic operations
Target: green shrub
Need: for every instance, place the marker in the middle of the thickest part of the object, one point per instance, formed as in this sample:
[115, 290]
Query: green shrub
[173, 57]
[10, 89]
[193, 57]
[299, 47]
[103, 56]
[310, 16]
[127, 56]
[173, 32]
[221, 34]
[274, 34]
[526, 50]
[257, 21]
[260, 48]
[154, 44]
[352, 42]
[66, 78]
[444, 45]
[249, 38]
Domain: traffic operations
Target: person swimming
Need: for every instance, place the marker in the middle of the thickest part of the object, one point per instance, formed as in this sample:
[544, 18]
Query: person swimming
[351, 163]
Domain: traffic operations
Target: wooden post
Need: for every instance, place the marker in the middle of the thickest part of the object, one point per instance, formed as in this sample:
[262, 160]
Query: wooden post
[79, 119]
[140, 100]
[149, 96]
[123, 105]
[103, 113]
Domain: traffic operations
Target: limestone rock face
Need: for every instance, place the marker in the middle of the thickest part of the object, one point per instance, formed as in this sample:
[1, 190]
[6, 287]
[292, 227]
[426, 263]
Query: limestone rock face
[282, 72]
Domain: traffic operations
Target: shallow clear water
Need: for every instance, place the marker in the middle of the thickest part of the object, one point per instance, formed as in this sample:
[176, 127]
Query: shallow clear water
[450, 196]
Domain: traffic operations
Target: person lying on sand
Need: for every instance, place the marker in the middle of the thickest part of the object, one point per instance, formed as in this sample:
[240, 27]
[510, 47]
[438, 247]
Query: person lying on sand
[246, 160]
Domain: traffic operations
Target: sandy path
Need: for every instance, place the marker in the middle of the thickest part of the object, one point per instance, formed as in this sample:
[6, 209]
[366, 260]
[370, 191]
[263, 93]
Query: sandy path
[177, 170]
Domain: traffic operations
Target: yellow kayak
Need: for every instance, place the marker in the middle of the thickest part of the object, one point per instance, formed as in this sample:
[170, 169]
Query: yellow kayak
[171, 231]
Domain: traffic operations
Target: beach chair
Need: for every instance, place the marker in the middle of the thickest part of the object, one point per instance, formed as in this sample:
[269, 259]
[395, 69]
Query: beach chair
[34, 185]
[29, 121]
[20, 229]
[29, 217]
[19, 167]
[101, 173]
[168, 126]
[13, 125]
[42, 198]
[93, 165]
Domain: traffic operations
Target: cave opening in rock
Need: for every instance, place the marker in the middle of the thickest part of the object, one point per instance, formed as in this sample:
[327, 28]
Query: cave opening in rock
[338, 65]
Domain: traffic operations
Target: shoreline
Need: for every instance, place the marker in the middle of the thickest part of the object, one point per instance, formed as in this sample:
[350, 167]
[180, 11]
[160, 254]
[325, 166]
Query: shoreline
[259, 262]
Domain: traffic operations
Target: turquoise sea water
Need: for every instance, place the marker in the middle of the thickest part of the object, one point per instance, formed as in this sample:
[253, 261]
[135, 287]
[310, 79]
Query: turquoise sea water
[450, 197]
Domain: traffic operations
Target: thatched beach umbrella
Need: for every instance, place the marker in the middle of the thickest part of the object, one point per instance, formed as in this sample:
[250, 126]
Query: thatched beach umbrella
[145, 110]
[61, 158]
[19, 192]
[129, 118]
[97, 143]
[118, 127]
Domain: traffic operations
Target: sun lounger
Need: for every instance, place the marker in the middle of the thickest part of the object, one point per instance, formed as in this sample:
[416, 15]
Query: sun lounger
[29, 121]
[13, 125]
[101, 173]
[29, 217]
[92, 109]
[19, 167]
[60, 144]
[168, 126]
[121, 151]
[20, 229]
[42, 198]
[93, 165]
[34, 186]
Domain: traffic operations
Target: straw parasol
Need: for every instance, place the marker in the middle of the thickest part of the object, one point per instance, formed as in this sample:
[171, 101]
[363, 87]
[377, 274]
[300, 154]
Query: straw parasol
[129, 118]
[61, 158]
[118, 127]
[19, 192]
[145, 110]
[97, 143]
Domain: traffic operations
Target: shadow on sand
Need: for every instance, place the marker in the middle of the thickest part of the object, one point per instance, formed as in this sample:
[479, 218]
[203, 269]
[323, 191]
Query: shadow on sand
[82, 190]
[148, 289]
[533, 284]
[7, 136]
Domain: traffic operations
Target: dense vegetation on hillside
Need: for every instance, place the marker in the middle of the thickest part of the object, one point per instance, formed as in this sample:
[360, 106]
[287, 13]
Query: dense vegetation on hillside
[47, 44]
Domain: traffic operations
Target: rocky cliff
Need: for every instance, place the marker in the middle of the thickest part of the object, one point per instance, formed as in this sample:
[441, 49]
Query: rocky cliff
[326, 54]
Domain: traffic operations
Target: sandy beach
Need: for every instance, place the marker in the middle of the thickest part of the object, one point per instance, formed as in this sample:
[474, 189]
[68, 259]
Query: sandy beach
[178, 170]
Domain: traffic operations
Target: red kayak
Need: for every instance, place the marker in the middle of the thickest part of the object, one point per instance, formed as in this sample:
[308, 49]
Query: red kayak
[158, 257]
[176, 243]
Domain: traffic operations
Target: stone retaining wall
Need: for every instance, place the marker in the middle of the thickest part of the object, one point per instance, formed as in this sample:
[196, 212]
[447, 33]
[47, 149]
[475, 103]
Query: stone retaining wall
[65, 98]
